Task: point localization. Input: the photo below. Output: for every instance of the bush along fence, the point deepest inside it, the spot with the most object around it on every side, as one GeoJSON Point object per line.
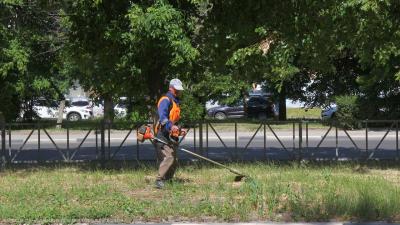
{"type": "Point", "coordinates": [235, 140]}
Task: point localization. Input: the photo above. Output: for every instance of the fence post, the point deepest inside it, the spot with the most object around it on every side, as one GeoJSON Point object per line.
{"type": "Point", "coordinates": [336, 143]}
{"type": "Point", "coordinates": [109, 142]}
{"type": "Point", "coordinates": [201, 137]}
{"type": "Point", "coordinates": [38, 150]}
{"type": "Point", "coordinates": [397, 141]}
{"type": "Point", "coordinates": [300, 140]}
{"type": "Point", "coordinates": [102, 143]}
{"type": "Point", "coordinates": [68, 153]}
{"type": "Point", "coordinates": [3, 160]}
{"type": "Point", "coordinates": [307, 135]}
{"type": "Point", "coordinates": [366, 135]}
{"type": "Point", "coordinates": [236, 142]}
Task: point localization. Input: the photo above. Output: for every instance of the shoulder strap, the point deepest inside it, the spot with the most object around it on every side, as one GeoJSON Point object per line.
{"type": "Point", "coordinates": [169, 99]}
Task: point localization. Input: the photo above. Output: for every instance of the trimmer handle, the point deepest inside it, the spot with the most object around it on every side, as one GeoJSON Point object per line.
{"type": "Point", "coordinates": [144, 133]}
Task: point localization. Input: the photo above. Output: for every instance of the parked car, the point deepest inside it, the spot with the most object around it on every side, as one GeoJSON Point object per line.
{"type": "Point", "coordinates": [41, 108]}
{"type": "Point", "coordinates": [329, 113]}
{"type": "Point", "coordinates": [235, 110]}
{"type": "Point", "coordinates": [260, 107]}
{"type": "Point", "coordinates": [120, 108]}
{"type": "Point", "coordinates": [75, 109]}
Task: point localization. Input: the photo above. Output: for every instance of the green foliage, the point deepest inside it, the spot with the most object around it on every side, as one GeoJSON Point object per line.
{"type": "Point", "coordinates": [15, 58]}
{"type": "Point", "coordinates": [308, 50]}
{"type": "Point", "coordinates": [123, 49]}
{"type": "Point", "coordinates": [9, 102]}
{"type": "Point", "coordinates": [348, 111]}
{"type": "Point", "coordinates": [398, 76]}
{"type": "Point", "coordinates": [319, 49]}
{"type": "Point", "coordinates": [29, 63]}
{"type": "Point", "coordinates": [159, 45]}
{"type": "Point", "coordinates": [191, 108]}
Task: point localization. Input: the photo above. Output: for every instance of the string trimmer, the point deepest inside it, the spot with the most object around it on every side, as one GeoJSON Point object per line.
{"type": "Point", "coordinates": [145, 133]}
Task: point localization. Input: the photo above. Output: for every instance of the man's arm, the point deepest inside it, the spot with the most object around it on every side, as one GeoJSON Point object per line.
{"type": "Point", "coordinates": [163, 114]}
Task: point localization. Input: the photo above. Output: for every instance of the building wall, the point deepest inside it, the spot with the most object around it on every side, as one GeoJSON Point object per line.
{"type": "Point", "coordinates": [76, 91]}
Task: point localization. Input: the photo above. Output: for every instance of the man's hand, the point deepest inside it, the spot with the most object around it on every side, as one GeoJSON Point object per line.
{"type": "Point", "coordinates": [183, 132]}
{"type": "Point", "coordinates": [174, 131]}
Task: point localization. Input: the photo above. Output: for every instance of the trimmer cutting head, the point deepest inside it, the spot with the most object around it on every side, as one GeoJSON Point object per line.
{"type": "Point", "coordinates": [239, 178]}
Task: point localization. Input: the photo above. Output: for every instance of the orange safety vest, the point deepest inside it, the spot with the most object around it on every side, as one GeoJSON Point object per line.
{"type": "Point", "coordinates": [174, 112]}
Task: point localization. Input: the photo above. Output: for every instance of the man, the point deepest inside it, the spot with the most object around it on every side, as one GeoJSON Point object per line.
{"type": "Point", "coordinates": [168, 131]}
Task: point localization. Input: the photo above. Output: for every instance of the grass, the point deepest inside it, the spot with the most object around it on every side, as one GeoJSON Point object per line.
{"type": "Point", "coordinates": [202, 194]}
{"type": "Point", "coordinates": [301, 113]}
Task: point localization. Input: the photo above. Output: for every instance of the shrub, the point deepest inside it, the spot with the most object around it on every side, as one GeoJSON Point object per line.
{"type": "Point", "coordinates": [348, 110]}
{"type": "Point", "coordinates": [191, 108]}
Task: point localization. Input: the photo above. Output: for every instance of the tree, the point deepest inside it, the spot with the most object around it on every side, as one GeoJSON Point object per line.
{"type": "Point", "coordinates": [316, 49]}
{"type": "Point", "coordinates": [30, 40]}
{"type": "Point", "coordinates": [129, 49]}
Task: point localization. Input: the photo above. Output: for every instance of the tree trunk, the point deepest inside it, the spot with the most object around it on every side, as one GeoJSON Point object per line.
{"type": "Point", "coordinates": [129, 106]}
{"type": "Point", "coordinates": [31, 112]}
{"type": "Point", "coordinates": [60, 113]}
{"type": "Point", "coordinates": [108, 109]}
{"type": "Point", "coordinates": [282, 103]}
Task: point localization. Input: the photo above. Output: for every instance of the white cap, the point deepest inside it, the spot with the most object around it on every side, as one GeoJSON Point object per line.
{"type": "Point", "coordinates": [177, 84]}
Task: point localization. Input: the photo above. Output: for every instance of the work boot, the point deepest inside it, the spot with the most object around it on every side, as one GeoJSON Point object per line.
{"type": "Point", "coordinates": [160, 184]}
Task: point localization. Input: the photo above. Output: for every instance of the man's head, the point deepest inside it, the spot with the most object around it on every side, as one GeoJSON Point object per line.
{"type": "Point", "coordinates": [175, 86]}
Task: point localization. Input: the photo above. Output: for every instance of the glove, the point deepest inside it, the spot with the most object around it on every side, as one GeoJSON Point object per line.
{"type": "Point", "coordinates": [174, 132]}
{"type": "Point", "coordinates": [183, 132]}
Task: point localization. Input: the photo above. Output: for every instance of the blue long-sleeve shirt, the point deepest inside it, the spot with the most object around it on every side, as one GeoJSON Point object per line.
{"type": "Point", "coordinates": [163, 111]}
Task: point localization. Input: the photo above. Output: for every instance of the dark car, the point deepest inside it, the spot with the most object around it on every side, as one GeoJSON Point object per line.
{"type": "Point", "coordinates": [260, 107]}
{"type": "Point", "coordinates": [235, 110]}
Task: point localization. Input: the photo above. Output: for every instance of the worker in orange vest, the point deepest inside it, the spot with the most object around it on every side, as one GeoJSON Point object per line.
{"type": "Point", "coordinates": [167, 130]}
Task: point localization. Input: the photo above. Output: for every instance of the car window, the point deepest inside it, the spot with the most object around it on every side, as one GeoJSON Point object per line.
{"type": "Point", "coordinates": [239, 103]}
{"type": "Point", "coordinates": [45, 103]}
{"type": "Point", "coordinates": [121, 105]}
{"type": "Point", "coordinates": [40, 103]}
{"type": "Point", "coordinates": [53, 104]}
{"type": "Point", "coordinates": [253, 101]}
{"type": "Point", "coordinates": [262, 101]}
{"type": "Point", "coordinates": [80, 103]}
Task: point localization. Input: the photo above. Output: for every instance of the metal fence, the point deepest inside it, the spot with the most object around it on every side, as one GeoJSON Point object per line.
{"type": "Point", "coordinates": [219, 140]}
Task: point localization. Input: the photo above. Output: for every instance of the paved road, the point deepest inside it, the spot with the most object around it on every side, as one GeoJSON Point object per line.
{"type": "Point", "coordinates": [277, 145]}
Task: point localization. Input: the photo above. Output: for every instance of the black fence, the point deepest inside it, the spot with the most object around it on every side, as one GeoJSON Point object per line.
{"type": "Point", "coordinates": [219, 140]}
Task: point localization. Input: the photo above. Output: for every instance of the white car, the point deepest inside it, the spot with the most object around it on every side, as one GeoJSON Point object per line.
{"type": "Point", "coordinates": [73, 111]}
{"type": "Point", "coordinates": [120, 109]}
{"type": "Point", "coordinates": [41, 108]}
{"type": "Point", "coordinates": [77, 109]}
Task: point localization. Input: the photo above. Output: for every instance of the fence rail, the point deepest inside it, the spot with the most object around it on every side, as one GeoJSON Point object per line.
{"type": "Point", "coordinates": [220, 140]}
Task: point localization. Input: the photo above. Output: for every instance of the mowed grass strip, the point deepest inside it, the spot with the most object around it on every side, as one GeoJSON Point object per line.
{"type": "Point", "coordinates": [303, 113]}
{"type": "Point", "coordinates": [277, 193]}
